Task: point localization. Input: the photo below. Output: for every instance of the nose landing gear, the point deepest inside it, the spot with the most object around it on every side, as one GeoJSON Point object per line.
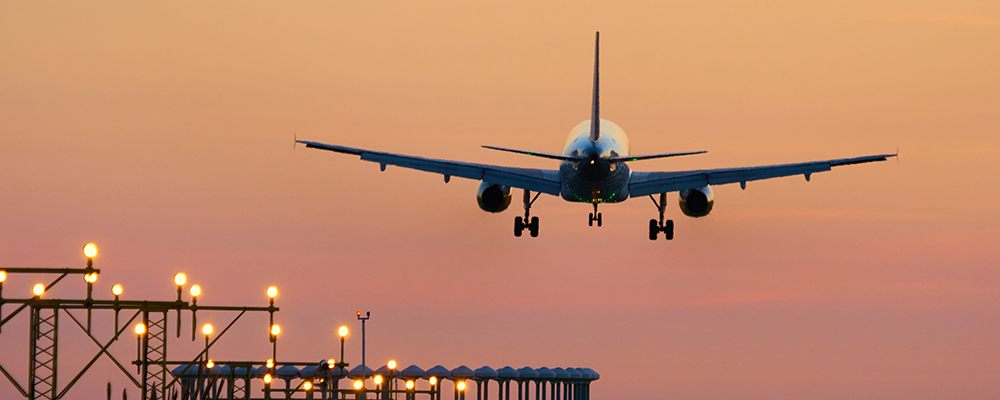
{"type": "Point", "coordinates": [519, 222]}
{"type": "Point", "coordinates": [595, 216]}
{"type": "Point", "coordinates": [654, 227]}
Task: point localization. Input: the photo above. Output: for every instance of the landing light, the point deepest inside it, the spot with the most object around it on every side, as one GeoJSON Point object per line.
{"type": "Point", "coordinates": [90, 250]}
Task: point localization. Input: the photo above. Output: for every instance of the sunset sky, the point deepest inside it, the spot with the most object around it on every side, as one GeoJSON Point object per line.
{"type": "Point", "coordinates": [163, 132]}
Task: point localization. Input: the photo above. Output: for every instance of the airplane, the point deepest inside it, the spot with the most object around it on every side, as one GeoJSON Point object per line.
{"type": "Point", "coordinates": [594, 168]}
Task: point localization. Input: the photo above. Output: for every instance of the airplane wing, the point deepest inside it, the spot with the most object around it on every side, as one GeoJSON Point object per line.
{"type": "Point", "coordinates": [538, 180]}
{"type": "Point", "coordinates": [646, 183]}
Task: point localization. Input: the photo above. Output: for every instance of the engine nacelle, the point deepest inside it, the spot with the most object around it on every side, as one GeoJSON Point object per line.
{"type": "Point", "coordinates": [697, 202]}
{"type": "Point", "coordinates": [493, 198]}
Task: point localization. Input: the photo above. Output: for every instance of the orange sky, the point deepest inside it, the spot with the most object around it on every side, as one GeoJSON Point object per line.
{"type": "Point", "coordinates": [163, 132]}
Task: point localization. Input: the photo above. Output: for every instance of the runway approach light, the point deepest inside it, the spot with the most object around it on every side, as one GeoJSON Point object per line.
{"type": "Point", "coordinates": [409, 385]}
{"type": "Point", "coordinates": [270, 363]}
{"type": "Point", "coordinates": [140, 329]}
{"type": "Point", "coordinates": [207, 329]}
{"type": "Point", "coordinates": [272, 292]}
{"type": "Point", "coordinates": [195, 291]}
{"type": "Point", "coordinates": [116, 290]}
{"type": "Point", "coordinates": [90, 250]}
{"type": "Point", "coordinates": [331, 363]}
{"type": "Point", "coordinates": [342, 331]}
{"type": "Point", "coordinates": [391, 364]}
{"type": "Point", "coordinates": [210, 364]}
{"type": "Point", "coordinates": [275, 330]}
{"type": "Point", "coordinates": [377, 379]}
{"type": "Point", "coordinates": [90, 278]}
{"type": "Point", "coordinates": [3, 276]}
{"type": "Point", "coordinates": [38, 290]}
{"type": "Point", "coordinates": [358, 384]}
{"type": "Point", "coordinates": [461, 385]}
{"type": "Point", "coordinates": [180, 279]}
{"type": "Point", "coordinates": [267, 379]}
{"type": "Point", "coordinates": [433, 380]}
{"type": "Point", "coordinates": [307, 385]}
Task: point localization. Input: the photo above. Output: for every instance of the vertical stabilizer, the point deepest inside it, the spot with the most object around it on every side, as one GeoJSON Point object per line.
{"type": "Point", "coordinates": [595, 111]}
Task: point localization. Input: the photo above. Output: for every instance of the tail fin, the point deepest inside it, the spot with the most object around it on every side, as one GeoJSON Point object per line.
{"type": "Point", "coordinates": [595, 111]}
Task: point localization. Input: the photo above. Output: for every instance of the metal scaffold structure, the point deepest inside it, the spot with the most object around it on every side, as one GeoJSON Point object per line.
{"type": "Point", "coordinates": [159, 378]}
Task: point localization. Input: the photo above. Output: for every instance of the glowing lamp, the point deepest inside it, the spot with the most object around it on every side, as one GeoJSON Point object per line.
{"type": "Point", "coordinates": [391, 364]}
{"type": "Point", "coordinates": [90, 250]}
{"type": "Point", "coordinates": [267, 379]}
{"type": "Point", "coordinates": [307, 385]}
{"type": "Point", "coordinates": [331, 363]}
{"type": "Point", "coordinates": [140, 329]}
{"type": "Point", "coordinates": [409, 385]}
{"type": "Point", "coordinates": [90, 278]}
{"type": "Point", "coordinates": [342, 331]}
{"type": "Point", "coordinates": [38, 290]}
{"type": "Point", "coordinates": [180, 279]}
{"type": "Point", "coordinates": [275, 330]}
{"type": "Point", "coordinates": [270, 363]}
{"type": "Point", "coordinates": [207, 329]}
{"type": "Point", "coordinates": [461, 385]}
{"type": "Point", "coordinates": [195, 291]}
{"type": "Point", "coordinates": [433, 380]}
{"type": "Point", "coordinates": [358, 384]}
{"type": "Point", "coordinates": [210, 364]}
{"type": "Point", "coordinates": [116, 290]}
{"type": "Point", "coordinates": [377, 379]}
{"type": "Point", "coordinates": [3, 276]}
{"type": "Point", "coordinates": [272, 292]}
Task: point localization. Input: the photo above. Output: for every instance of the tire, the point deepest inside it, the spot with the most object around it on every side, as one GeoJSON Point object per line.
{"type": "Point", "coordinates": [533, 228]}
{"type": "Point", "coordinates": [668, 230]}
{"type": "Point", "coordinates": [654, 228]}
{"type": "Point", "coordinates": [591, 220]}
{"type": "Point", "coordinates": [598, 219]}
{"type": "Point", "coordinates": [518, 226]}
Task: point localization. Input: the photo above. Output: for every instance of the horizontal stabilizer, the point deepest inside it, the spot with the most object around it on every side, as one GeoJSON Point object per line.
{"type": "Point", "coordinates": [651, 156]}
{"type": "Point", "coordinates": [536, 154]}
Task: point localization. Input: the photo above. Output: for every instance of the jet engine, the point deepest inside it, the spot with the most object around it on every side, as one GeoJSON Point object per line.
{"type": "Point", "coordinates": [697, 202]}
{"type": "Point", "coordinates": [493, 198]}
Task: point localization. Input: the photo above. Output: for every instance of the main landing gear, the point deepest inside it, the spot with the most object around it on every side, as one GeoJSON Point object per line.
{"type": "Point", "coordinates": [654, 227]}
{"type": "Point", "coordinates": [595, 216]}
{"type": "Point", "coordinates": [519, 223]}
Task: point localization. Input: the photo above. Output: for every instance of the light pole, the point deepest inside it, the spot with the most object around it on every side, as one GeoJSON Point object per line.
{"type": "Point", "coordinates": [275, 331]}
{"type": "Point", "coordinates": [117, 291]}
{"type": "Point", "coordinates": [195, 292]}
{"type": "Point", "coordinates": [180, 279]}
{"type": "Point", "coordinates": [202, 389]}
{"type": "Point", "coordinates": [364, 319]}
{"type": "Point", "coordinates": [90, 251]}
{"type": "Point", "coordinates": [140, 331]}
{"type": "Point", "coordinates": [272, 292]}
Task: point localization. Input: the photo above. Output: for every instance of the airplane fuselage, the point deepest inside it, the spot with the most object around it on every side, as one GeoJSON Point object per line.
{"type": "Point", "coordinates": [595, 179]}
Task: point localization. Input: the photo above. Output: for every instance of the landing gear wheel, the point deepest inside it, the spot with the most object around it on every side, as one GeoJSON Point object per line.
{"type": "Point", "coordinates": [668, 230]}
{"type": "Point", "coordinates": [598, 219]}
{"type": "Point", "coordinates": [518, 226]}
{"type": "Point", "coordinates": [591, 221]}
{"type": "Point", "coordinates": [654, 229]}
{"type": "Point", "coordinates": [533, 227]}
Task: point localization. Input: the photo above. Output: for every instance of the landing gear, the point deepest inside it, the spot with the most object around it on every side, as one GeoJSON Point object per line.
{"type": "Point", "coordinates": [519, 222]}
{"type": "Point", "coordinates": [656, 227]}
{"type": "Point", "coordinates": [595, 216]}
